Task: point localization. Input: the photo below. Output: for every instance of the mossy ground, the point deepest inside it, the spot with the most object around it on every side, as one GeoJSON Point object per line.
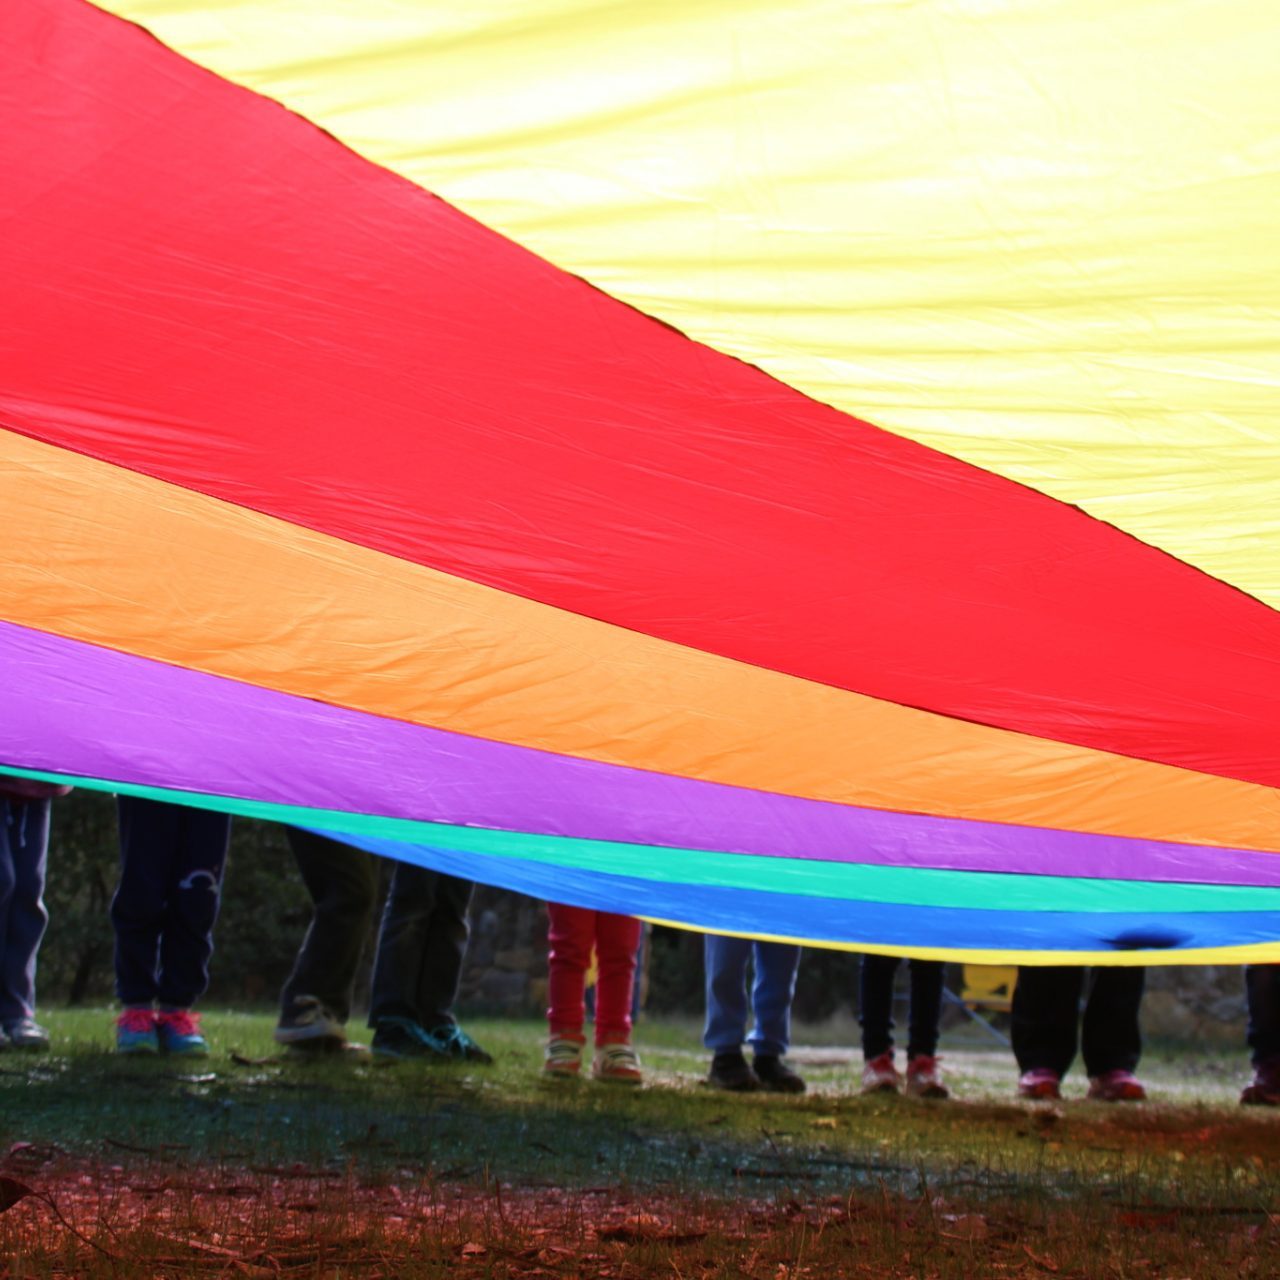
{"type": "Point", "coordinates": [253, 1161]}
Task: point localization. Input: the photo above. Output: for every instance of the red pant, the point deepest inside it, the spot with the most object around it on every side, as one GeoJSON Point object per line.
{"type": "Point", "coordinates": [575, 931]}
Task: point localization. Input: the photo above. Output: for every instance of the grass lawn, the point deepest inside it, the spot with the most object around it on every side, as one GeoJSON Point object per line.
{"type": "Point", "coordinates": [251, 1162]}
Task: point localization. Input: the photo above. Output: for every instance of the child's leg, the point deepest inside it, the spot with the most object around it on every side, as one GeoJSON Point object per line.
{"type": "Point", "coordinates": [194, 887]}
{"type": "Point", "coordinates": [343, 884]}
{"type": "Point", "coordinates": [8, 875]}
{"type": "Point", "coordinates": [1111, 1039]}
{"type": "Point", "coordinates": [402, 941]}
{"type": "Point", "coordinates": [726, 962]}
{"type": "Point", "coordinates": [25, 840]}
{"type": "Point", "coordinates": [148, 836]}
{"type": "Point", "coordinates": [1046, 1017]}
{"type": "Point", "coordinates": [875, 1004]}
{"type": "Point", "coordinates": [1262, 991]}
{"type": "Point", "coordinates": [443, 952]}
{"type": "Point", "coordinates": [572, 934]}
{"type": "Point", "coordinates": [777, 964]}
{"type": "Point", "coordinates": [926, 1008]}
{"type": "Point", "coordinates": [617, 941]}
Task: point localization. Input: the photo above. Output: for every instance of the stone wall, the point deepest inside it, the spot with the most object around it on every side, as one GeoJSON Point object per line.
{"type": "Point", "coordinates": [1195, 1002]}
{"type": "Point", "coordinates": [506, 968]}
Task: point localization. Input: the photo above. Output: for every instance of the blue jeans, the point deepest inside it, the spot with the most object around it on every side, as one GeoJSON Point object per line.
{"type": "Point", "coordinates": [776, 964]}
{"type": "Point", "coordinates": [24, 847]}
{"type": "Point", "coordinates": [421, 945]}
{"type": "Point", "coordinates": [171, 863]}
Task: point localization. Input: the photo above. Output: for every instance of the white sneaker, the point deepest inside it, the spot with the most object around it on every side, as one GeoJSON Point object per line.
{"type": "Point", "coordinates": [879, 1075]}
{"type": "Point", "coordinates": [564, 1056]}
{"type": "Point", "coordinates": [617, 1064]}
{"type": "Point", "coordinates": [26, 1033]}
{"type": "Point", "coordinates": [309, 1022]}
{"type": "Point", "coordinates": [924, 1078]}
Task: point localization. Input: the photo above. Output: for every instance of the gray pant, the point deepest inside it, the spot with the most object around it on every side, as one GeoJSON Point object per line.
{"type": "Point", "coordinates": [24, 848]}
{"type": "Point", "coordinates": [421, 944]}
{"type": "Point", "coordinates": [343, 883]}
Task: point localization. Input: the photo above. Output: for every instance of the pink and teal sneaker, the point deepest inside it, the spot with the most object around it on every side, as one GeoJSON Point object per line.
{"type": "Point", "coordinates": [136, 1032]}
{"type": "Point", "coordinates": [178, 1031]}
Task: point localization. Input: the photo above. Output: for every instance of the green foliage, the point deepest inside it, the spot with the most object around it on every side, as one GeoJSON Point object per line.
{"type": "Point", "coordinates": [675, 971]}
{"type": "Point", "coordinates": [75, 960]}
{"type": "Point", "coordinates": [826, 985]}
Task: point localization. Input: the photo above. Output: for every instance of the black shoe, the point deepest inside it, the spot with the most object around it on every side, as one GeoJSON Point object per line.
{"type": "Point", "coordinates": [776, 1076]}
{"type": "Point", "coordinates": [729, 1071]}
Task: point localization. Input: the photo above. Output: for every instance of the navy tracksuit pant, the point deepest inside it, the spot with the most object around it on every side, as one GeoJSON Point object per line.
{"type": "Point", "coordinates": [171, 864]}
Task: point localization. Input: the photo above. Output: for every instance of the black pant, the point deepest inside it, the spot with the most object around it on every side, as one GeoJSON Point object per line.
{"type": "Point", "coordinates": [1046, 1015]}
{"type": "Point", "coordinates": [875, 1005]}
{"type": "Point", "coordinates": [343, 883]}
{"type": "Point", "coordinates": [421, 944]}
{"type": "Point", "coordinates": [171, 864]}
{"type": "Point", "coordinates": [1262, 990]}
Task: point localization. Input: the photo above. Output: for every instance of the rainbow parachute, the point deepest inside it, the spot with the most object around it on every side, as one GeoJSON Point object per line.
{"type": "Point", "coordinates": [803, 469]}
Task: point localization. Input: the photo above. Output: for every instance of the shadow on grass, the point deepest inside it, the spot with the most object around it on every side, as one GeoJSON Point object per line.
{"type": "Point", "coordinates": [263, 1163]}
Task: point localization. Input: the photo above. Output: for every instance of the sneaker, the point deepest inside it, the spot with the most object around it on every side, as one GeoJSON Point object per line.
{"type": "Point", "coordinates": [775, 1075]}
{"type": "Point", "coordinates": [616, 1064]}
{"type": "Point", "coordinates": [350, 1051]}
{"type": "Point", "coordinates": [924, 1078]}
{"type": "Point", "coordinates": [404, 1038]}
{"type": "Point", "coordinates": [1265, 1089]}
{"type": "Point", "coordinates": [1040, 1084]}
{"type": "Point", "coordinates": [564, 1056]}
{"type": "Point", "coordinates": [136, 1032]}
{"type": "Point", "coordinates": [308, 1024]}
{"type": "Point", "coordinates": [729, 1071]}
{"type": "Point", "coordinates": [459, 1046]}
{"type": "Point", "coordinates": [178, 1031]}
{"type": "Point", "coordinates": [1117, 1086]}
{"type": "Point", "coordinates": [879, 1075]}
{"type": "Point", "coordinates": [27, 1033]}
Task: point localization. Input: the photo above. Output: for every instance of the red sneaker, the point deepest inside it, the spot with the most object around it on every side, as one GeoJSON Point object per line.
{"type": "Point", "coordinates": [1117, 1086]}
{"type": "Point", "coordinates": [924, 1078]}
{"type": "Point", "coordinates": [1040, 1084]}
{"type": "Point", "coordinates": [879, 1075]}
